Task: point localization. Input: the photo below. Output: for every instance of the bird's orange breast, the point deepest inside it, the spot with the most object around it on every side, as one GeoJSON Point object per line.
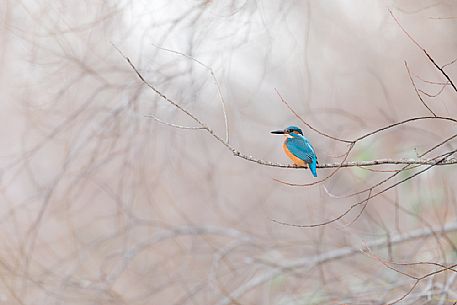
{"type": "Point", "coordinates": [296, 160]}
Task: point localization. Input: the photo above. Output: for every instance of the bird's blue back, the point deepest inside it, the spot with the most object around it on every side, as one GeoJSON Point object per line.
{"type": "Point", "coordinates": [300, 147]}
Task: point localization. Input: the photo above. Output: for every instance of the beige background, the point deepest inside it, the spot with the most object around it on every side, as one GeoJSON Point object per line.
{"type": "Point", "coordinates": [100, 205]}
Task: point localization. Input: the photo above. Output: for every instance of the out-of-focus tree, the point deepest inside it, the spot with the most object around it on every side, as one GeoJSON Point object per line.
{"type": "Point", "coordinates": [137, 165]}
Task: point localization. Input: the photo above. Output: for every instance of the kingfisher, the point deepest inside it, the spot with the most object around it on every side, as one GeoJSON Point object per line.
{"type": "Point", "coordinates": [298, 148]}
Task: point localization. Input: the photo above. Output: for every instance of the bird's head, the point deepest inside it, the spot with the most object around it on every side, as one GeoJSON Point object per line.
{"type": "Point", "coordinates": [289, 131]}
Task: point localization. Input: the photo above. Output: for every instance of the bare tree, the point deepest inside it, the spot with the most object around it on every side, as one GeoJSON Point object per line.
{"type": "Point", "coordinates": [137, 166]}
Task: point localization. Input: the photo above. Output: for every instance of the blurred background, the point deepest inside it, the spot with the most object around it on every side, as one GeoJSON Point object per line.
{"type": "Point", "coordinates": [103, 204]}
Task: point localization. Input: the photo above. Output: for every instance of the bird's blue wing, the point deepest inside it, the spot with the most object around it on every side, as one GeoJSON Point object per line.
{"type": "Point", "coordinates": [300, 147]}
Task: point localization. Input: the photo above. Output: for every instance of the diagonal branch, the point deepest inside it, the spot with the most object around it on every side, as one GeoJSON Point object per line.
{"type": "Point", "coordinates": [425, 52]}
{"type": "Point", "coordinates": [332, 255]}
{"type": "Point", "coordinates": [417, 91]}
{"type": "Point", "coordinates": [309, 125]}
{"type": "Point", "coordinates": [213, 76]}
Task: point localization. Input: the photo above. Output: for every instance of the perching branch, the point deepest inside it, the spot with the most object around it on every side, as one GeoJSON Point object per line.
{"type": "Point", "coordinates": [354, 205]}
{"type": "Point", "coordinates": [344, 164]}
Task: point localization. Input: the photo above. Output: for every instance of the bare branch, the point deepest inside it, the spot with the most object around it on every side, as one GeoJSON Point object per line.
{"type": "Point", "coordinates": [307, 124]}
{"type": "Point", "coordinates": [436, 94]}
{"type": "Point", "coordinates": [425, 52]}
{"type": "Point", "coordinates": [332, 255]}
{"type": "Point", "coordinates": [420, 118]}
{"type": "Point", "coordinates": [221, 98]}
{"type": "Point", "coordinates": [449, 63]}
{"type": "Point", "coordinates": [328, 165]}
{"type": "Point", "coordinates": [170, 124]}
{"type": "Point", "coordinates": [417, 91]}
{"type": "Point", "coordinates": [339, 217]}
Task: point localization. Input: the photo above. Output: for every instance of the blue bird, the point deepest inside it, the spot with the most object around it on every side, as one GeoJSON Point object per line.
{"type": "Point", "coordinates": [298, 148]}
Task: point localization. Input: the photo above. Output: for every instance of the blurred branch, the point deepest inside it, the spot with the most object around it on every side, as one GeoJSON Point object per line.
{"type": "Point", "coordinates": [417, 279]}
{"type": "Point", "coordinates": [336, 254]}
{"type": "Point", "coordinates": [447, 287]}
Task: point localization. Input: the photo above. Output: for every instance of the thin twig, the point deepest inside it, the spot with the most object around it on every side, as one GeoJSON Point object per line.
{"type": "Point", "coordinates": [436, 94]}
{"type": "Point", "coordinates": [419, 118]}
{"type": "Point", "coordinates": [425, 52]}
{"type": "Point", "coordinates": [417, 91]}
{"type": "Point", "coordinates": [170, 124]}
{"type": "Point", "coordinates": [361, 210]}
{"type": "Point", "coordinates": [449, 63]}
{"type": "Point", "coordinates": [210, 70]}
{"type": "Point", "coordinates": [307, 124]}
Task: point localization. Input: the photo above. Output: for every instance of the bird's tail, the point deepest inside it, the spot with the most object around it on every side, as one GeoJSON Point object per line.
{"type": "Point", "coordinates": [312, 167]}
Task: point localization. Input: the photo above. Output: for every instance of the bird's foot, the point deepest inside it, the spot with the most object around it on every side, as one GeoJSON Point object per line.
{"type": "Point", "coordinates": [299, 166]}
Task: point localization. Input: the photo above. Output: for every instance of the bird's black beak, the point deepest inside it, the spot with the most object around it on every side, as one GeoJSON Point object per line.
{"type": "Point", "coordinates": [278, 132]}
